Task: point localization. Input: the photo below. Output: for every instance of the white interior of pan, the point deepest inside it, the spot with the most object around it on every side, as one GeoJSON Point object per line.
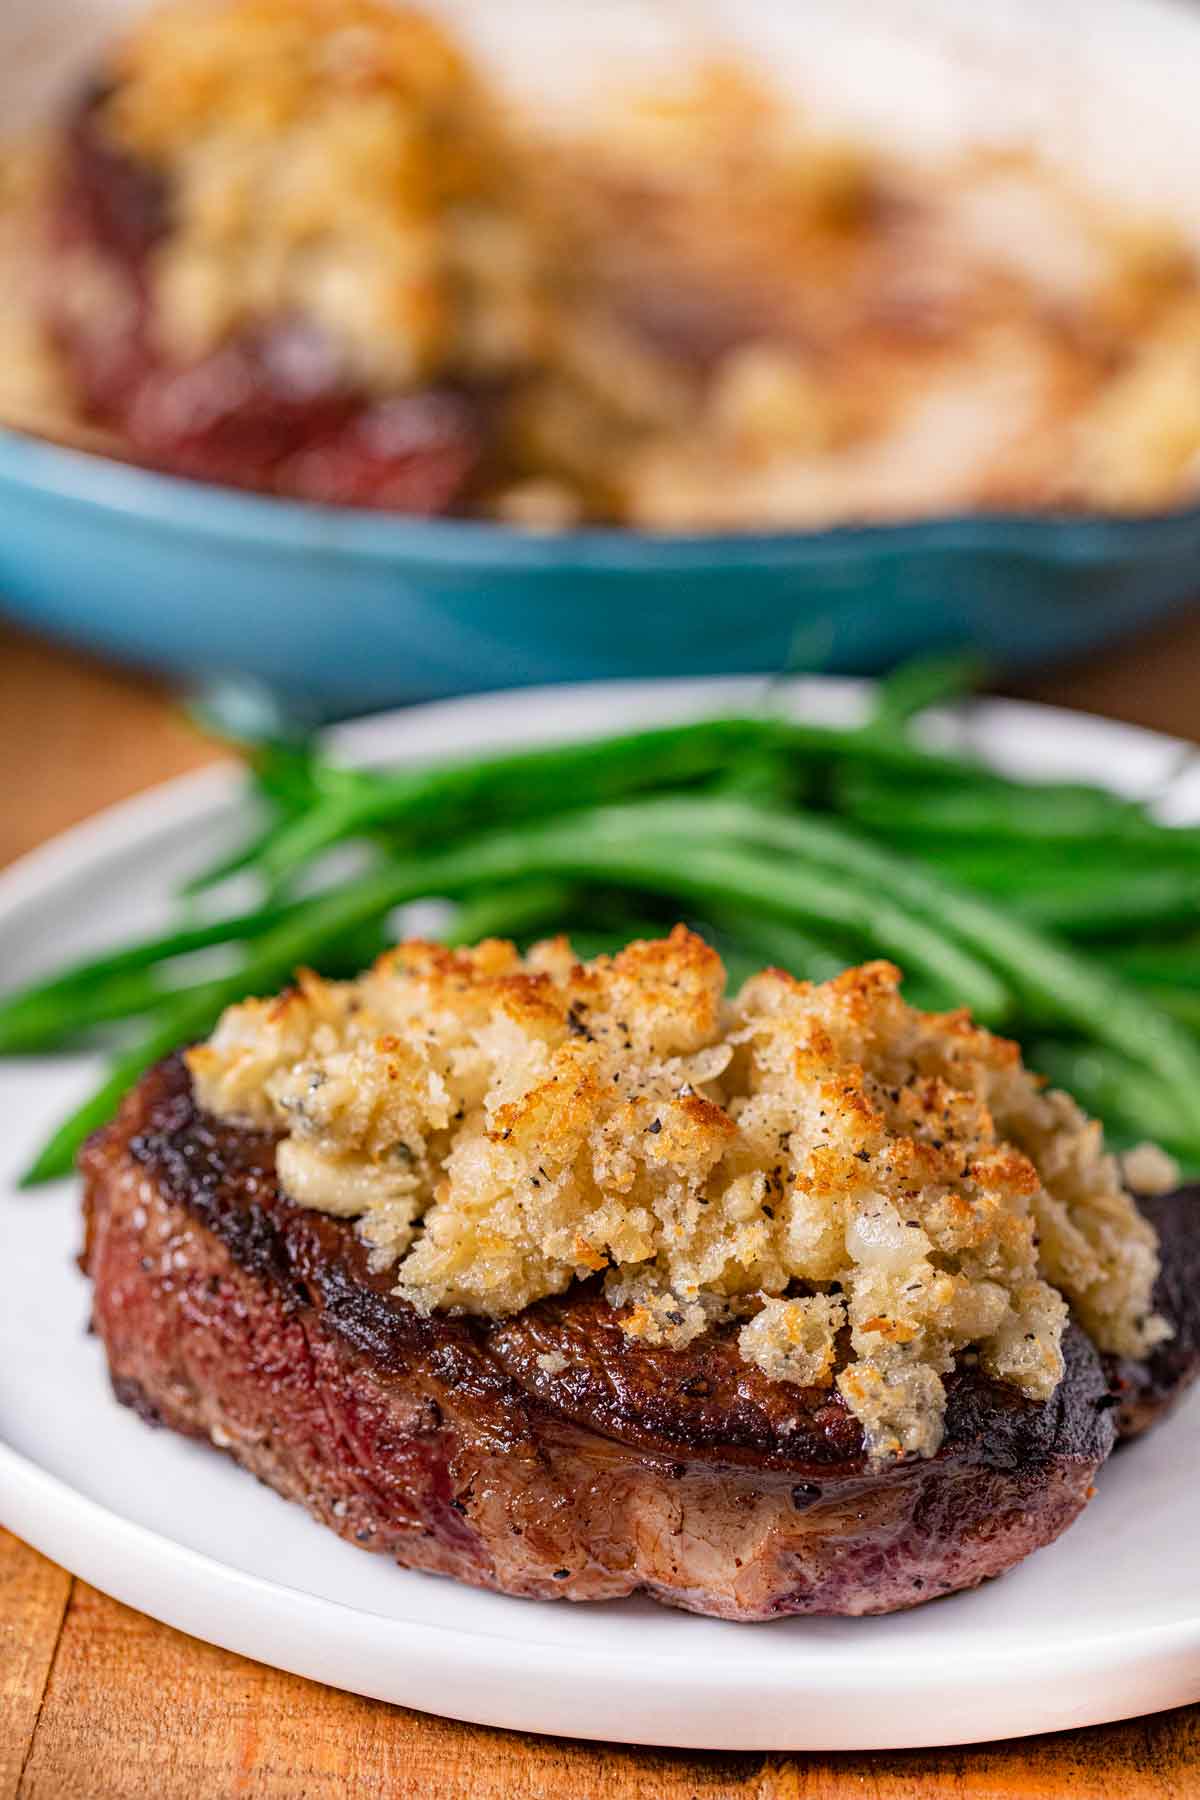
{"type": "Point", "coordinates": [1106, 87]}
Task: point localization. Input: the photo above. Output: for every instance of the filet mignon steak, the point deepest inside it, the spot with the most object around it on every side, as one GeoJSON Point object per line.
{"type": "Point", "coordinates": [545, 1455]}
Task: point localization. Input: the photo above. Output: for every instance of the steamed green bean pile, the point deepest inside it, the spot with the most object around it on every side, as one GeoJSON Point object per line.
{"type": "Point", "coordinates": [1058, 913]}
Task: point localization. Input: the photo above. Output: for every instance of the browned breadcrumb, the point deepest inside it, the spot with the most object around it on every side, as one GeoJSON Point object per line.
{"type": "Point", "coordinates": [334, 160]}
{"type": "Point", "coordinates": [864, 1185]}
{"type": "Point", "coordinates": [1148, 1169]}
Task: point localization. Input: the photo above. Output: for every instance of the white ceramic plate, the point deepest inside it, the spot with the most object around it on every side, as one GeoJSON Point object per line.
{"type": "Point", "coordinates": [1104, 1624]}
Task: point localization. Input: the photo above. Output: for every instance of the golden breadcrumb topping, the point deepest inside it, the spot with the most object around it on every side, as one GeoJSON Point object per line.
{"type": "Point", "coordinates": [865, 1189]}
{"type": "Point", "coordinates": [329, 160]}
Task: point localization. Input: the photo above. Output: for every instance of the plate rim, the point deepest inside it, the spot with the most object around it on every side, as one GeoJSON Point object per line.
{"type": "Point", "coordinates": [49, 1513]}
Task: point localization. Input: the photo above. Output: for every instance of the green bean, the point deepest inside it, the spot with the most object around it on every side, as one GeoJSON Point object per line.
{"type": "Point", "coordinates": [519, 784]}
{"type": "Point", "coordinates": [290, 773]}
{"type": "Point", "coordinates": [509, 912]}
{"type": "Point", "coordinates": [621, 844]}
{"type": "Point", "coordinates": [1083, 892]}
{"type": "Point", "coordinates": [121, 997]}
{"type": "Point", "coordinates": [186, 1020]}
{"type": "Point", "coordinates": [774, 941]}
{"type": "Point", "coordinates": [758, 776]}
{"type": "Point", "coordinates": [1082, 889]}
{"type": "Point", "coordinates": [1183, 1004]}
{"type": "Point", "coordinates": [139, 992]}
{"type": "Point", "coordinates": [1062, 813]}
{"type": "Point", "coordinates": [1130, 900]}
{"type": "Point", "coordinates": [1176, 965]}
{"type": "Point", "coordinates": [612, 844]}
{"type": "Point", "coordinates": [326, 919]}
{"type": "Point", "coordinates": [925, 681]}
{"type": "Point", "coordinates": [749, 943]}
{"type": "Point", "coordinates": [1116, 1090]}
{"type": "Point", "coordinates": [616, 909]}
{"type": "Point", "coordinates": [1008, 870]}
{"type": "Point", "coordinates": [1055, 980]}
{"type": "Point", "coordinates": [35, 1004]}
{"type": "Point", "coordinates": [272, 959]}
{"type": "Point", "coordinates": [248, 855]}
{"type": "Point", "coordinates": [127, 981]}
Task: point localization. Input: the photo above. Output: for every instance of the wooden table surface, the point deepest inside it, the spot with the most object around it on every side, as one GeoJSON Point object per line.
{"type": "Point", "coordinates": [100, 1703]}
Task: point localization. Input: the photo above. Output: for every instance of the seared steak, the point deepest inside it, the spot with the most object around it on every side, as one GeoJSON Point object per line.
{"type": "Point", "coordinates": [545, 1455]}
{"type": "Point", "coordinates": [272, 408]}
{"type": "Point", "coordinates": [1146, 1391]}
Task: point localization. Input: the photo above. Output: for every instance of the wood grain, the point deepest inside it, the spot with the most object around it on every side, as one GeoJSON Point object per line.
{"type": "Point", "coordinates": [135, 1710]}
{"type": "Point", "coordinates": [75, 736]}
{"type": "Point", "coordinates": [1153, 681]}
{"type": "Point", "coordinates": [33, 1602]}
{"type": "Point", "coordinates": [100, 1703]}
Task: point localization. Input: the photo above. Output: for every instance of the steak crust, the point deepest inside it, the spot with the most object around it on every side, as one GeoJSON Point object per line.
{"type": "Point", "coordinates": [545, 1455]}
{"type": "Point", "coordinates": [1146, 1392]}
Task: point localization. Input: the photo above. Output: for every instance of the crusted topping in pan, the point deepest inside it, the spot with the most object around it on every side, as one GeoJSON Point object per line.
{"type": "Point", "coordinates": [864, 1189]}
{"type": "Point", "coordinates": [330, 161]}
{"type": "Point", "coordinates": [688, 309]}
